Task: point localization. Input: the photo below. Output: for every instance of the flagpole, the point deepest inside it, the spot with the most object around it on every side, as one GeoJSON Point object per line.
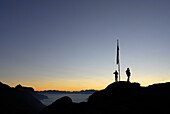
{"type": "Point", "coordinates": [119, 70]}
{"type": "Point", "coordinates": [118, 61]}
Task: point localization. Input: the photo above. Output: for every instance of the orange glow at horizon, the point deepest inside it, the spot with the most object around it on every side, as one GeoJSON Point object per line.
{"type": "Point", "coordinates": [76, 85]}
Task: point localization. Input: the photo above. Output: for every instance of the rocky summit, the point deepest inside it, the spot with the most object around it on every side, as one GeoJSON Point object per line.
{"type": "Point", "coordinates": [118, 98]}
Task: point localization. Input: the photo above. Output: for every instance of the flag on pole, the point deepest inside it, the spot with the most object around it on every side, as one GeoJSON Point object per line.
{"type": "Point", "coordinates": [117, 60]}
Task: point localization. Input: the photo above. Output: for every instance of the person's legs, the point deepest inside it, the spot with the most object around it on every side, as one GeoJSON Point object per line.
{"type": "Point", "coordinates": [128, 79]}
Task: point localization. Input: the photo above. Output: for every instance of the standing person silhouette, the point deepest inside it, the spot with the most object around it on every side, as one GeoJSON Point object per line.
{"type": "Point", "coordinates": [128, 74]}
{"type": "Point", "coordinates": [116, 75]}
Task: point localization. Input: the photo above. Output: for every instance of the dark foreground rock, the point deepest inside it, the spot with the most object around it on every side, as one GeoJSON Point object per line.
{"type": "Point", "coordinates": [118, 98]}
{"type": "Point", "coordinates": [18, 100]}
{"type": "Point", "coordinates": [65, 105]}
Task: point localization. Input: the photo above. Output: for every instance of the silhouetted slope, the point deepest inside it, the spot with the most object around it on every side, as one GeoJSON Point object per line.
{"type": "Point", "coordinates": [31, 91]}
{"type": "Point", "coordinates": [118, 98]}
{"type": "Point", "coordinates": [4, 87]}
{"type": "Point", "coordinates": [18, 100]}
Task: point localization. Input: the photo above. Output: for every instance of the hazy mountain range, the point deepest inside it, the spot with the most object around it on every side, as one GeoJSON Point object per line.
{"type": "Point", "coordinates": [91, 91]}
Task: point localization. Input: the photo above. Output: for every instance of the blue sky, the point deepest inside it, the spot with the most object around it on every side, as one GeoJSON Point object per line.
{"type": "Point", "coordinates": [71, 44]}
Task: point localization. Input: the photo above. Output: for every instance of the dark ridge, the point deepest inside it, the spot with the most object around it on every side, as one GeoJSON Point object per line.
{"type": "Point", "coordinates": [19, 100]}
{"type": "Point", "coordinates": [31, 91]}
{"type": "Point", "coordinates": [19, 87]}
{"type": "Point", "coordinates": [118, 98]}
{"type": "Point", "coordinates": [4, 87]}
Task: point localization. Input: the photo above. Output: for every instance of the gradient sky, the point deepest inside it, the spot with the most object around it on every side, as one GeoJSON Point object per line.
{"type": "Point", "coordinates": [71, 44]}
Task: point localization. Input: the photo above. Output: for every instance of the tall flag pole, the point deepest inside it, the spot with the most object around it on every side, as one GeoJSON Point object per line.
{"type": "Point", "coordinates": [117, 59]}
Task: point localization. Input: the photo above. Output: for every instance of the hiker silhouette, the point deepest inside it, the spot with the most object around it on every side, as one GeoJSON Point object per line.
{"type": "Point", "coordinates": [116, 75]}
{"type": "Point", "coordinates": [128, 74]}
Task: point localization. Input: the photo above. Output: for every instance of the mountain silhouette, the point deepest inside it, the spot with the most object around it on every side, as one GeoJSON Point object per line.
{"type": "Point", "coordinates": [118, 98]}
{"type": "Point", "coordinates": [31, 91]}
{"type": "Point", "coordinates": [19, 100]}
